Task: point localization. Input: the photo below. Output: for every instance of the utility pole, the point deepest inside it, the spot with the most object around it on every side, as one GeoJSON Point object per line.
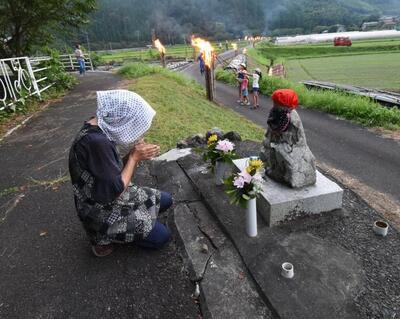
{"type": "Point", "coordinates": [87, 41]}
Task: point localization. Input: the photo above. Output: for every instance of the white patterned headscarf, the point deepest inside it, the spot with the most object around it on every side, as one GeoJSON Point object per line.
{"type": "Point", "coordinates": [123, 116]}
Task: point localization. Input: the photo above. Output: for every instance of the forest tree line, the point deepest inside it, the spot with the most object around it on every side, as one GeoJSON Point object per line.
{"type": "Point", "coordinates": [123, 23]}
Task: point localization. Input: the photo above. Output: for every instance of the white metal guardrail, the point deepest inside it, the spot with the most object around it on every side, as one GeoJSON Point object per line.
{"type": "Point", "coordinates": [19, 78]}
{"type": "Point", "coordinates": [71, 63]}
{"type": "Point", "coordinates": [22, 77]}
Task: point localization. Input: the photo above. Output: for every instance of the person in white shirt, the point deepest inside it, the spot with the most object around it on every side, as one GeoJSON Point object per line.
{"type": "Point", "coordinates": [257, 76]}
{"type": "Point", "coordinates": [81, 59]}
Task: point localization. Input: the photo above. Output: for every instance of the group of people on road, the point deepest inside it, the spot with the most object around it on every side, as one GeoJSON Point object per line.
{"type": "Point", "coordinates": [243, 80]}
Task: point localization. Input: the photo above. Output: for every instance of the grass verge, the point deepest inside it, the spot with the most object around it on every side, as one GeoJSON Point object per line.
{"type": "Point", "coordinates": [355, 108]}
{"type": "Point", "coordinates": [182, 109]}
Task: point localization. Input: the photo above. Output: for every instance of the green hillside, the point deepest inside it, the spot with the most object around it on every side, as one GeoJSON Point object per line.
{"type": "Point", "coordinates": [123, 23]}
{"type": "Point", "coordinates": [305, 16]}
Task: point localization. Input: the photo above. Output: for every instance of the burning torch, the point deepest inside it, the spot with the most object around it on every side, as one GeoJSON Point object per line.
{"type": "Point", "coordinates": [207, 51]}
{"type": "Point", "coordinates": [162, 51]}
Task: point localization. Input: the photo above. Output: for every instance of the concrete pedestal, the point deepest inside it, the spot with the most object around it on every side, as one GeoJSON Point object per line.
{"type": "Point", "coordinates": [278, 203]}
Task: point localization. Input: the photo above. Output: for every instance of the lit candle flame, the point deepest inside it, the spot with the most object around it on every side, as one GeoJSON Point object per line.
{"type": "Point", "coordinates": [159, 46]}
{"type": "Point", "coordinates": [206, 50]}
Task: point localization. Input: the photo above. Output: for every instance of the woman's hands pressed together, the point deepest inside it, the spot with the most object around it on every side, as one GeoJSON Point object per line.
{"type": "Point", "coordinates": [140, 152]}
{"type": "Point", "coordinates": [144, 151]}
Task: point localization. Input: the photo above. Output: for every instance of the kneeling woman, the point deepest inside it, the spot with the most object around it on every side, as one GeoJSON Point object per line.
{"type": "Point", "coordinates": [110, 207]}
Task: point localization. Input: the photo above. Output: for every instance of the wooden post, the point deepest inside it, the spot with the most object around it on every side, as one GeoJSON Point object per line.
{"type": "Point", "coordinates": [163, 60]}
{"type": "Point", "coordinates": [208, 78]}
{"type": "Point", "coordinates": [194, 53]}
{"type": "Point", "coordinates": [210, 83]}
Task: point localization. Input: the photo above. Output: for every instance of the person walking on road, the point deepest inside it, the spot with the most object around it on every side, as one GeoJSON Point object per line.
{"type": "Point", "coordinates": [257, 76]}
{"type": "Point", "coordinates": [80, 57]}
{"type": "Point", "coordinates": [111, 208]}
{"type": "Point", "coordinates": [202, 63]}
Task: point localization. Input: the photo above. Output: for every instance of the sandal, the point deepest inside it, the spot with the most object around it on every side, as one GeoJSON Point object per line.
{"type": "Point", "coordinates": [102, 250]}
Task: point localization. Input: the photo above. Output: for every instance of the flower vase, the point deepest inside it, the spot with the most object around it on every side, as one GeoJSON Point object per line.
{"type": "Point", "coordinates": [251, 218]}
{"type": "Point", "coordinates": [221, 169]}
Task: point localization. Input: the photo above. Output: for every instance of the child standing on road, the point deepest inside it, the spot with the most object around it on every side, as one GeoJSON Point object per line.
{"type": "Point", "coordinates": [257, 76]}
{"type": "Point", "coordinates": [239, 78]}
{"type": "Point", "coordinates": [245, 90]}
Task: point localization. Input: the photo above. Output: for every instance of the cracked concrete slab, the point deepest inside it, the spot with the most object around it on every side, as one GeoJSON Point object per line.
{"type": "Point", "coordinates": [193, 240]}
{"type": "Point", "coordinates": [227, 290]}
{"type": "Point", "coordinates": [207, 224]}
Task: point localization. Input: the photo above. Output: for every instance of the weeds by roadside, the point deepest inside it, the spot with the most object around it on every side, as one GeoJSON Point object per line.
{"type": "Point", "coordinates": [51, 183]}
{"type": "Point", "coordinates": [355, 108]}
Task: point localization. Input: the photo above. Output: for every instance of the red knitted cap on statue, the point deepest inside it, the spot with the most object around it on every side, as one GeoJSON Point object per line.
{"type": "Point", "coordinates": [286, 97]}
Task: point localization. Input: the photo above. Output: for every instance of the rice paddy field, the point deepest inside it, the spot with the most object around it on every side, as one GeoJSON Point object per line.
{"type": "Point", "coordinates": [372, 64]}
{"type": "Point", "coordinates": [370, 70]}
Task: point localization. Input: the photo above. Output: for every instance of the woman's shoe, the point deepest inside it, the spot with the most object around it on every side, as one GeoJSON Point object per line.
{"type": "Point", "coordinates": [102, 250]}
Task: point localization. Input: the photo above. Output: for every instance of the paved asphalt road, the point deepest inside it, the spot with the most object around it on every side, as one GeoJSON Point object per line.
{"type": "Point", "coordinates": [46, 267]}
{"type": "Point", "coordinates": [372, 159]}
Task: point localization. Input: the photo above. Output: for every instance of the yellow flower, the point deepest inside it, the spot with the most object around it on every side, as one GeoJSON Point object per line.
{"type": "Point", "coordinates": [255, 164]}
{"type": "Point", "coordinates": [213, 138]}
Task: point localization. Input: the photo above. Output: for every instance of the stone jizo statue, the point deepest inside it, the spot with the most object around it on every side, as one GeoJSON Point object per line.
{"type": "Point", "coordinates": [285, 152]}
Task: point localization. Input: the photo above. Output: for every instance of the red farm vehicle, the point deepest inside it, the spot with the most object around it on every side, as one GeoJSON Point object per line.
{"type": "Point", "coordinates": [342, 42]}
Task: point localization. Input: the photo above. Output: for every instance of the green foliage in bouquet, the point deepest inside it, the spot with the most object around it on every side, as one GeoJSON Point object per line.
{"type": "Point", "coordinates": [246, 185]}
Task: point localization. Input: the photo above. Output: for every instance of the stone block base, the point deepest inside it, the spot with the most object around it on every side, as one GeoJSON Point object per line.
{"type": "Point", "coordinates": [279, 203]}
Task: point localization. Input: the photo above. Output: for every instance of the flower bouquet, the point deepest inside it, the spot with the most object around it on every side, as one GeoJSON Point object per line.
{"type": "Point", "coordinates": [220, 153]}
{"type": "Point", "coordinates": [243, 188]}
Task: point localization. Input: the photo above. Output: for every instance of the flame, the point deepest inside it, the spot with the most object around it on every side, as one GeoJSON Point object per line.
{"type": "Point", "coordinates": [244, 51]}
{"type": "Point", "coordinates": [234, 46]}
{"type": "Point", "coordinates": [159, 46]}
{"type": "Point", "coordinates": [206, 50]}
